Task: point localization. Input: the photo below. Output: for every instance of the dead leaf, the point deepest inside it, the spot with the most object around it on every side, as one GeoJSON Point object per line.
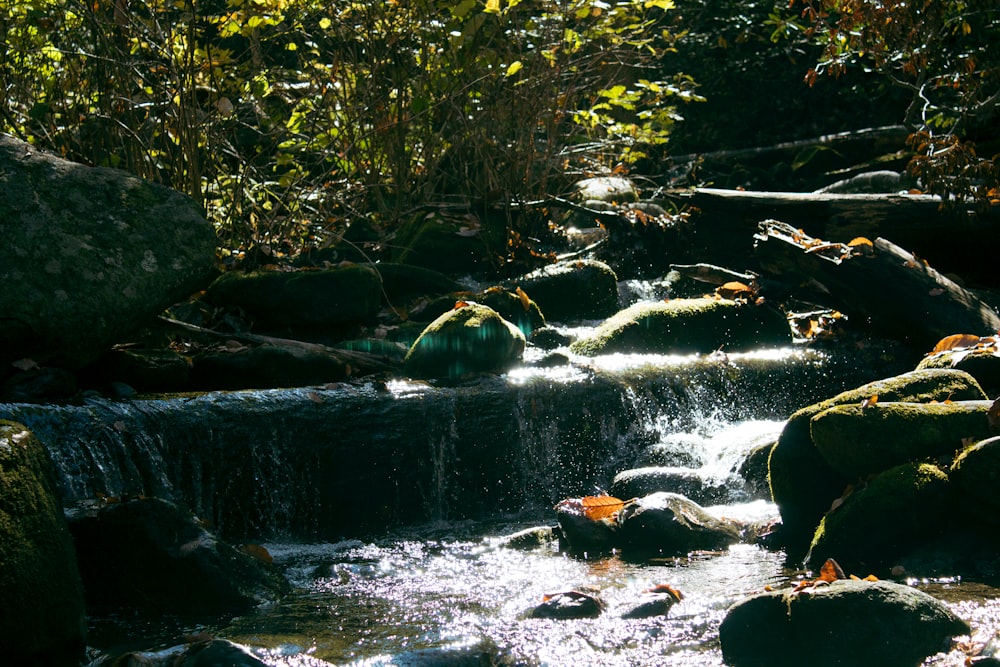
{"type": "Point", "coordinates": [258, 552]}
{"type": "Point", "coordinates": [831, 571]}
{"type": "Point", "coordinates": [525, 301]}
{"type": "Point", "coordinates": [937, 291]}
{"type": "Point", "coordinates": [733, 290]}
{"type": "Point", "coordinates": [460, 304]}
{"type": "Point", "coordinates": [955, 341]}
{"type": "Point", "coordinates": [600, 507]}
{"type": "Point", "coordinates": [869, 402]}
{"type": "Point", "coordinates": [25, 364]}
{"type": "Point", "coordinates": [666, 588]}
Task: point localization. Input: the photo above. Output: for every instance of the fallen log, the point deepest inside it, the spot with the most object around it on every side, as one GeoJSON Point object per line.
{"type": "Point", "coordinates": [956, 240]}
{"type": "Point", "coordinates": [896, 293]}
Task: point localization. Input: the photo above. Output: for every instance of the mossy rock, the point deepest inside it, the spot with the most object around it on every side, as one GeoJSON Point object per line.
{"type": "Point", "coordinates": [849, 622]}
{"type": "Point", "coordinates": [42, 620]}
{"type": "Point", "coordinates": [670, 524]}
{"type": "Point", "coordinates": [976, 471]}
{"type": "Point", "coordinates": [470, 339]}
{"type": "Point", "coordinates": [454, 245]}
{"type": "Point", "coordinates": [572, 291]}
{"type": "Point", "coordinates": [302, 298]}
{"type": "Point", "coordinates": [857, 440]}
{"type": "Point", "coordinates": [401, 282]}
{"type": "Point", "coordinates": [983, 365]}
{"type": "Point", "coordinates": [897, 511]}
{"type": "Point", "coordinates": [522, 311]}
{"type": "Point", "coordinates": [685, 326]}
{"type": "Point", "coordinates": [803, 484]}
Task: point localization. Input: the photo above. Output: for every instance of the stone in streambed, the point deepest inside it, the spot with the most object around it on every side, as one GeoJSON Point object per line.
{"type": "Point", "coordinates": [848, 622]}
{"type": "Point", "coordinates": [671, 525]}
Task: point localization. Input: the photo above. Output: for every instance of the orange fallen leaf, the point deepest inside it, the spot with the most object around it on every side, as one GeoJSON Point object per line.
{"type": "Point", "coordinates": [955, 341]}
{"type": "Point", "coordinates": [525, 301]}
{"type": "Point", "coordinates": [831, 571]}
{"type": "Point", "coordinates": [600, 507]}
{"type": "Point", "coordinates": [869, 402]}
{"type": "Point", "coordinates": [666, 588]}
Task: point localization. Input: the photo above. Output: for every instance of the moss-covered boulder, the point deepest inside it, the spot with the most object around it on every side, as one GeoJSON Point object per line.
{"type": "Point", "coordinates": [685, 326]}
{"type": "Point", "coordinates": [472, 338]}
{"type": "Point", "coordinates": [849, 622]}
{"type": "Point", "coordinates": [976, 472]}
{"type": "Point", "coordinates": [897, 511]}
{"type": "Point", "coordinates": [669, 524]}
{"type": "Point", "coordinates": [803, 484]}
{"type": "Point", "coordinates": [89, 255]}
{"type": "Point", "coordinates": [982, 364]}
{"type": "Point", "coordinates": [451, 244]}
{"type": "Point", "coordinates": [857, 440]}
{"type": "Point", "coordinates": [148, 554]}
{"type": "Point", "coordinates": [42, 617]}
{"type": "Point", "coordinates": [515, 307]}
{"type": "Point", "coordinates": [328, 297]}
{"type": "Point", "coordinates": [572, 291]}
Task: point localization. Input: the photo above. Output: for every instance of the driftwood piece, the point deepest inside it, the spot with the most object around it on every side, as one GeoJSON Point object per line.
{"type": "Point", "coordinates": [897, 293]}
{"type": "Point", "coordinates": [955, 241]}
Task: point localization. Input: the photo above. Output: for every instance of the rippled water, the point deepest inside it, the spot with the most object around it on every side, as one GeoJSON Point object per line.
{"type": "Point", "coordinates": [392, 601]}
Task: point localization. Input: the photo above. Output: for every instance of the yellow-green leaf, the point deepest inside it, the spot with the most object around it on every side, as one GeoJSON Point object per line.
{"type": "Point", "coordinates": [514, 68]}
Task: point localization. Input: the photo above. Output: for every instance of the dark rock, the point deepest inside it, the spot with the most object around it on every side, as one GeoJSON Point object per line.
{"type": "Point", "coordinates": [870, 182]}
{"type": "Point", "coordinates": [845, 623]}
{"type": "Point", "coordinates": [687, 325]}
{"type": "Point", "coordinates": [656, 601]}
{"type": "Point", "coordinates": [803, 484]}
{"type": "Point", "coordinates": [146, 370]}
{"type": "Point", "coordinates": [687, 482]}
{"type": "Point", "coordinates": [37, 385]}
{"type": "Point", "coordinates": [895, 512]}
{"type": "Point", "coordinates": [401, 282]}
{"type": "Point", "coordinates": [518, 309]}
{"type": "Point", "coordinates": [323, 298]}
{"type": "Point", "coordinates": [451, 244]}
{"type": "Point", "coordinates": [857, 440]}
{"type": "Point", "coordinates": [549, 338]}
{"type": "Point", "coordinates": [572, 291]}
{"type": "Point", "coordinates": [976, 471]}
{"type": "Point", "coordinates": [983, 364]}
{"type": "Point", "coordinates": [582, 534]}
{"type": "Point", "coordinates": [670, 524]}
{"type": "Point", "coordinates": [201, 653]}
{"type": "Point", "coordinates": [148, 554]}
{"type": "Point", "coordinates": [569, 605]}
{"type": "Point", "coordinates": [469, 339]}
{"type": "Point", "coordinates": [753, 470]}
{"type": "Point", "coordinates": [264, 367]}
{"type": "Point", "coordinates": [529, 538]}
{"type": "Point", "coordinates": [42, 619]}
{"type": "Point", "coordinates": [89, 255]}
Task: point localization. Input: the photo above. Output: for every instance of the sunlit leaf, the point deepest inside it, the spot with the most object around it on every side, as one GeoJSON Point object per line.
{"type": "Point", "coordinates": [870, 401]}
{"type": "Point", "coordinates": [600, 507]}
{"type": "Point", "coordinates": [955, 342]}
{"type": "Point", "coordinates": [525, 301]}
{"type": "Point", "coordinates": [514, 68]}
{"type": "Point", "coordinates": [831, 571]}
{"type": "Point", "coordinates": [666, 588]}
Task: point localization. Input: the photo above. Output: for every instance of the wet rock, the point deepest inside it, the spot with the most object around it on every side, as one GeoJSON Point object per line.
{"type": "Point", "coordinates": [670, 524]}
{"type": "Point", "coordinates": [656, 601]}
{"type": "Point", "coordinates": [200, 653]}
{"type": "Point", "coordinates": [470, 339]}
{"type": "Point", "coordinates": [895, 512]}
{"type": "Point", "coordinates": [976, 471]}
{"type": "Point", "coordinates": [870, 182]}
{"type": "Point", "coordinates": [685, 326]}
{"type": "Point", "coordinates": [569, 605]}
{"type": "Point", "coordinates": [42, 617]}
{"type": "Point", "coordinates": [857, 440]}
{"type": "Point", "coordinates": [681, 450]}
{"type": "Point", "coordinates": [982, 364]}
{"type": "Point", "coordinates": [265, 367]}
{"type": "Point", "coordinates": [401, 282]}
{"type": "Point", "coordinates": [580, 533]}
{"type": "Point", "coordinates": [482, 654]}
{"type": "Point", "coordinates": [753, 470]}
{"type": "Point", "coordinates": [687, 482]}
{"type": "Point", "coordinates": [38, 384]}
{"type": "Point", "coordinates": [804, 485]}
{"type": "Point", "coordinates": [331, 297]}
{"type": "Point", "coordinates": [145, 370]}
{"type": "Point", "coordinates": [529, 538]}
{"type": "Point", "coordinates": [149, 554]}
{"type": "Point", "coordinates": [549, 338]}
{"type": "Point", "coordinates": [89, 255]}
{"type": "Point", "coordinates": [572, 291]}
{"type": "Point", "coordinates": [847, 622]}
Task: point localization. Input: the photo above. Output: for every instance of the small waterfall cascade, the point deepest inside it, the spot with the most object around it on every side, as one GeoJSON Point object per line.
{"type": "Point", "coordinates": [342, 461]}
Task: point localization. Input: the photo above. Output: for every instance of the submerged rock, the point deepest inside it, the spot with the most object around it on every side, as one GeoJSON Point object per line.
{"type": "Point", "coordinates": [148, 554]}
{"type": "Point", "coordinates": [199, 653]}
{"type": "Point", "coordinates": [848, 622]}
{"type": "Point", "coordinates": [687, 325]}
{"type": "Point", "coordinates": [656, 601]}
{"type": "Point", "coordinates": [472, 338]}
{"type": "Point", "coordinates": [42, 617]}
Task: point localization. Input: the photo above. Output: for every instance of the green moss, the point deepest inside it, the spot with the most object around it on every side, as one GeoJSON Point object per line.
{"type": "Point", "coordinates": [470, 339]}
{"type": "Point", "coordinates": [685, 326]}
{"type": "Point", "coordinates": [898, 510]}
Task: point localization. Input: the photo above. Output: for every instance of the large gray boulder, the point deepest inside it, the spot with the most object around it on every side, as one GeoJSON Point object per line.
{"type": "Point", "coordinates": [88, 255]}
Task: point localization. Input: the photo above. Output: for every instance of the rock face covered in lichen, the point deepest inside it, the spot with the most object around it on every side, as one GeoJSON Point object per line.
{"type": "Point", "coordinates": [42, 618]}
{"type": "Point", "coordinates": [88, 254]}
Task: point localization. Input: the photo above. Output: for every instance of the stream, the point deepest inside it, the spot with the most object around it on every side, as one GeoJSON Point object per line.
{"type": "Point", "coordinates": [386, 503]}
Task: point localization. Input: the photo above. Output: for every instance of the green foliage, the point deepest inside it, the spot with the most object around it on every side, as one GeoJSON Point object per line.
{"type": "Point", "coordinates": [286, 119]}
